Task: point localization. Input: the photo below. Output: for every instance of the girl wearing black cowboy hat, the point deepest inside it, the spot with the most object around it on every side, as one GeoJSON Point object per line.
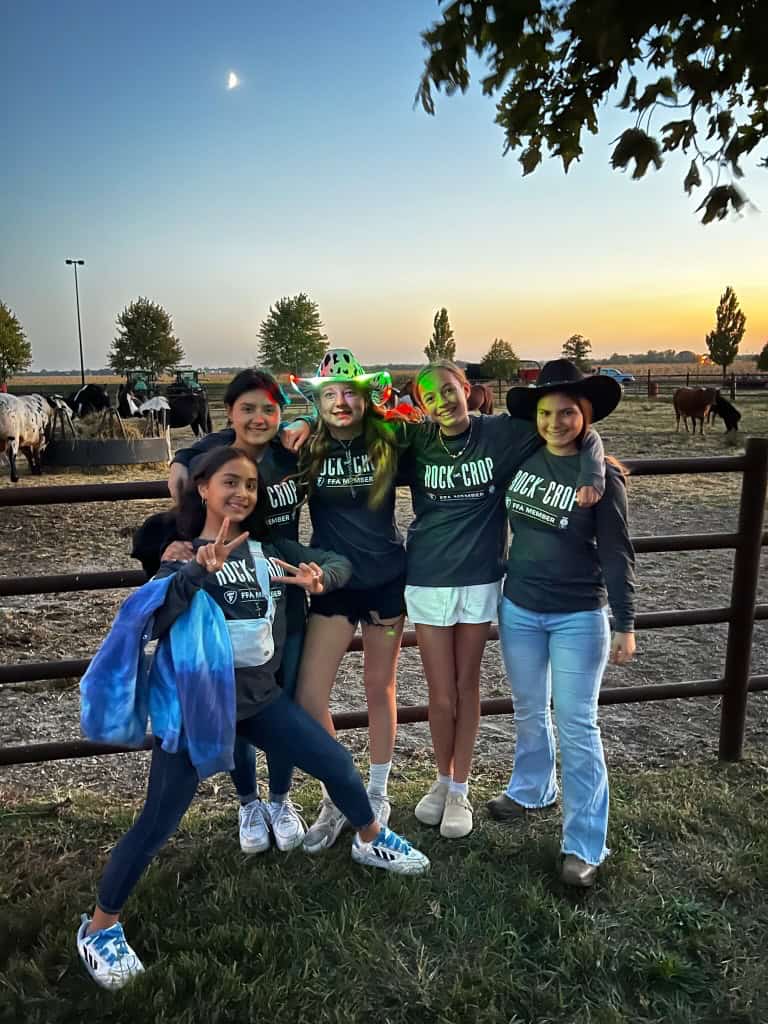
{"type": "Point", "coordinates": [565, 565]}
{"type": "Point", "coordinates": [458, 468]}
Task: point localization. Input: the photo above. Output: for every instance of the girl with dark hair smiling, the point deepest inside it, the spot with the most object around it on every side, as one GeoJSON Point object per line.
{"type": "Point", "coordinates": [565, 565]}
{"type": "Point", "coordinates": [220, 624]}
{"type": "Point", "coordinates": [254, 402]}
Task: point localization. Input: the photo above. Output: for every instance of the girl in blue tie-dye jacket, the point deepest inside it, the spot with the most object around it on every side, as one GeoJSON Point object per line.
{"type": "Point", "coordinates": [220, 622]}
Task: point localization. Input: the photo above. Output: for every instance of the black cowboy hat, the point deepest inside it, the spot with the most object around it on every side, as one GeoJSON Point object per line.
{"type": "Point", "coordinates": [603, 393]}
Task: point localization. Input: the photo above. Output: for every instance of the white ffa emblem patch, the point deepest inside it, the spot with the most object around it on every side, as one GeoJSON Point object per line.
{"type": "Point", "coordinates": [564, 523]}
{"type": "Point", "coordinates": [230, 596]}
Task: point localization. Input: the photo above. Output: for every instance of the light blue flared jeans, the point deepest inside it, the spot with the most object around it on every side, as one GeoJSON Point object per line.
{"type": "Point", "coordinates": [559, 657]}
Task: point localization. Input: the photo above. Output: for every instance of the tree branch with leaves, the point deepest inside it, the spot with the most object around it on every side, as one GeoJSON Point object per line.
{"type": "Point", "coordinates": [553, 65]}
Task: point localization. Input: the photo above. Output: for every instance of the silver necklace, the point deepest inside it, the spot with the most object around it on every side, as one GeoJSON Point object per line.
{"type": "Point", "coordinates": [347, 446]}
{"type": "Point", "coordinates": [448, 452]}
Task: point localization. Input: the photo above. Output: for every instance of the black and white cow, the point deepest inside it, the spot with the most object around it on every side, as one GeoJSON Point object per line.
{"type": "Point", "coordinates": [88, 399]}
{"type": "Point", "coordinates": [25, 426]}
{"type": "Point", "coordinates": [189, 409]}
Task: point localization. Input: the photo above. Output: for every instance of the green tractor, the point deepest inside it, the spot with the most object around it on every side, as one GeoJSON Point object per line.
{"type": "Point", "coordinates": [186, 380]}
{"type": "Point", "coordinates": [142, 383]}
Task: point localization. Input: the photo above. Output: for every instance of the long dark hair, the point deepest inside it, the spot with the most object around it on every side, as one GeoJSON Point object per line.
{"type": "Point", "coordinates": [586, 411]}
{"type": "Point", "coordinates": [190, 517]}
{"type": "Point", "coordinates": [254, 380]}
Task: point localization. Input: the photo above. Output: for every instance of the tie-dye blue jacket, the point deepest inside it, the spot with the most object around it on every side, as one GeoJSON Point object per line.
{"type": "Point", "coordinates": [187, 689]}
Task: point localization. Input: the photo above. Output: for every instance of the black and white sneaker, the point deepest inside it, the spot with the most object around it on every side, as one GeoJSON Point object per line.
{"type": "Point", "coordinates": [390, 852]}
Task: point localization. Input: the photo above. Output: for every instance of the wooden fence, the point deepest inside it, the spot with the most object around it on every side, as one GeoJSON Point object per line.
{"type": "Point", "coordinates": [734, 685]}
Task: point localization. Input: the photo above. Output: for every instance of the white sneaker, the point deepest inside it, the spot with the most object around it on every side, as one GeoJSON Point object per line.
{"type": "Point", "coordinates": [326, 830]}
{"type": "Point", "coordinates": [108, 958]}
{"type": "Point", "coordinates": [254, 830]}
{"type": "Point", "coordinates": [381, 807]}
{"type": "Point", "coordinates": [287, 826]}
{"type": "Point", "coordinates": [390, 852]}
{"type": "Point", "coordinates": [457, 817]}
{"type": "Point", "coordinates": [429, 810]}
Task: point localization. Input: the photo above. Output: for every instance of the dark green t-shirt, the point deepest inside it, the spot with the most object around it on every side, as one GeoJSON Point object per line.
{"type": "Point", "coordinates": [459, 535]}
{"type": "Point", "coordinates": [343, 521]}
{"type": "Point", "coordinates": [564, 558]}
{"type": "Point", "coordinates": [277, 468]}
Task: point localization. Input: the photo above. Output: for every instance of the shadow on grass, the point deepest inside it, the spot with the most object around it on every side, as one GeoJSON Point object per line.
{"type": "Point", "coordinates": [674, 930]}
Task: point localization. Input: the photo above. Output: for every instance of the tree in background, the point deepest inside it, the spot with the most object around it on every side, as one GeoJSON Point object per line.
{"type": "Point", "coordinates": [723, 343]}
{"type": "Point", "coordinates": [292, 339]}
{"type": "Point", "coordinates": [15, 350]}
{"type": "Point", "coordinates": [552, 65]}
{"type": "Point", "coordinates": [500, 361]}
{"type": "Point", "coordinates": [441, 344]}
{"type": "Point", "coordinates": [578, 349]}
{"type": "Point", "coordinates": [762, 359]}
{"type": "Point", "coordinates": [145, 339]}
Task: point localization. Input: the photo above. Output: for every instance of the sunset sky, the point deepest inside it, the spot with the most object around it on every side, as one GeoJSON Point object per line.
{"type": "Point", "coordinates": [124, 147]}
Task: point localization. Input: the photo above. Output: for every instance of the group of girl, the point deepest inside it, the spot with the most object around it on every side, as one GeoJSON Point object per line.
{"type": "Point", "coordinates": [234, 539]}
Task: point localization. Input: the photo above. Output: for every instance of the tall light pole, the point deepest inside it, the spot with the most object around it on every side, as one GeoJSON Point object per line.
{"type": "Point", "coordinates": [75, 264]}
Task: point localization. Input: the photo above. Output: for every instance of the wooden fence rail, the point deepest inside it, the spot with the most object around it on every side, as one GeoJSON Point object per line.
{"type": "Point", "coordinates": [740, 615]}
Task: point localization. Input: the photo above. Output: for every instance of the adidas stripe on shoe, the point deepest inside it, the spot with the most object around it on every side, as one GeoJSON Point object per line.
{"type": "Point", "coordinates": [390, 852]}
{"type": "Point", "coordinates": [107, 957]}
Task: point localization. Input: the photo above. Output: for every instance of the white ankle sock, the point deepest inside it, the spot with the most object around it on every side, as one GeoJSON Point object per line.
{"type": "Point", "coordinates": [446, 780]}
{"type": "Point", "coordinates": [378, 778]}
{"type": "Point", "coordinates": [459, 787]}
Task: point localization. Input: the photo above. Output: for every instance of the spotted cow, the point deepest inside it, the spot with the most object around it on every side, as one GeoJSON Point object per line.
{"type": "Point", "coordinates": [25, 426]}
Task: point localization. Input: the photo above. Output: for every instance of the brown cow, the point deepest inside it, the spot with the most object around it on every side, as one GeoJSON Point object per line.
{"type": "Point", "coordinates": [694, 403]}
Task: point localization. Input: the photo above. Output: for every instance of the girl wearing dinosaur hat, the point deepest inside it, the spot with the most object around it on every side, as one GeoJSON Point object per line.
{"type": "Point", "coordinates": [350, 464]}
{"type": "Point", "coordinates": [457, 469]}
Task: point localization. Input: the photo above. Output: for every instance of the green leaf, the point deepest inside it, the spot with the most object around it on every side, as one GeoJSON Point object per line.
{"type": "Point", "coordinates": [635, 144]}
{"type": "Point", "coordinates": [530, 159]}
{"type": "Point", "coordinates": [629, 94]}
{"type": "Point", "coordinates": [692, 179]}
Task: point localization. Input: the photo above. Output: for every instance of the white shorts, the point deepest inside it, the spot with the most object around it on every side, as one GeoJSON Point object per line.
{"type": "Point", "coordinates": [447, 606]}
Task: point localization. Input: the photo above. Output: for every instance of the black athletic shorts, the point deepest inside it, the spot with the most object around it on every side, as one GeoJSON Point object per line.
{"type": "Point", "coordinates": [371, 605]}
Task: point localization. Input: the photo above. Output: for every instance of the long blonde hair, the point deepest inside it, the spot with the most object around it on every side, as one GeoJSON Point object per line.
{"type": "Point", "coordinates": [381, 445]}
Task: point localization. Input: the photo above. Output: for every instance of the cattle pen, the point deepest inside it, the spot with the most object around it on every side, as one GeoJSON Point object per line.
{"type": "Point", "coordinates": [733, 686]}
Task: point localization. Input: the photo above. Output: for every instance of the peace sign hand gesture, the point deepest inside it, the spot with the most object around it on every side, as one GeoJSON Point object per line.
{"type": "Point", "coordinates": [212, 556]}
{"type": "Point", "coordinates": [308, 575]}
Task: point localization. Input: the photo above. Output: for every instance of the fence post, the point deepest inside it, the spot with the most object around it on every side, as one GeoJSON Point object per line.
{"type": "Point", "coordinates": [687, 378]}
{"type": "Point", "coordinates": [649, 383]}
{"type": "Point", "coordinates": [732, 387]}
{"type": "Point", "coordinates": [746, 572]}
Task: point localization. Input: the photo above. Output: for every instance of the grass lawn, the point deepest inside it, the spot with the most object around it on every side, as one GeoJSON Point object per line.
{"type": "Point", "coordinates": [675, 930]}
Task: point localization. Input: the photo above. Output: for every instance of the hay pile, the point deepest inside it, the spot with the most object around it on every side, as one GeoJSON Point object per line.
{"type": "Point", "coordinates": [98, 427]}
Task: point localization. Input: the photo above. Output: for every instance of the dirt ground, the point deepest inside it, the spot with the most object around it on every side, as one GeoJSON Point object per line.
{"type": "Point", "coordinates": [96, 536]}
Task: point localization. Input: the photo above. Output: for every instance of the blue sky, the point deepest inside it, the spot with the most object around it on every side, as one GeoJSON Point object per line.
{"type": "Point", "coordinates": [317, 174]}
